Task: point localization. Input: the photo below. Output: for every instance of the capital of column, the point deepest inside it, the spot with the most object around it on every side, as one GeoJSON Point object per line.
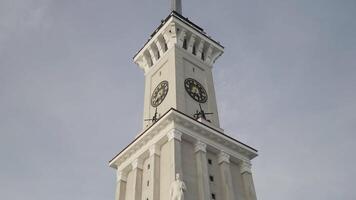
{"type": "Point", "coordinates": [155, 149]}
{"type": "Point", "coordinates": [137, 164]}
{"type": "Point", "coordinates": [223, 157]}
{"type": "Point", "coordinates": [174, 134]}
{"type": "Point", "coordinates": [245, 167]}
{"type": "Point", "coordinates": [200, 146]}
{"type": "Point", "coordinates": [121, 176]}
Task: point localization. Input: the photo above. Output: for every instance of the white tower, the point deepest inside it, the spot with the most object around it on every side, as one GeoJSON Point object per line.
{"type": "Point", "coordinates": [181, 132]}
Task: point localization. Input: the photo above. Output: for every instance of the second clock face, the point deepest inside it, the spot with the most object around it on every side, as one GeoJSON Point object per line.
{"type": "Point", "coordinates": [159, 93]}
{"type": "Point", "coordinates": [195, 90]}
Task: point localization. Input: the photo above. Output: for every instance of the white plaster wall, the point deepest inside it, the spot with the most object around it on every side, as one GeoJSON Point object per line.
{"type": "Point", "coordinates": [189, 171]}
{"type": "Point", "coordinates": [175, 66]}
{"type": "Point", "coordinates": [237, 181]}
{"type": "Point", "coordinates": [164, 173]}
{"type": "Point", "coordinates": [203, 74]}
{"type": "Point", "coordinates": [162, 70]}
{"type": "Point", "coordinates": [198, 74]}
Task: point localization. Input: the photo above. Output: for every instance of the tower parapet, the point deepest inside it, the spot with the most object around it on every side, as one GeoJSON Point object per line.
{"type": "Point", "coordinates": [178, 31]}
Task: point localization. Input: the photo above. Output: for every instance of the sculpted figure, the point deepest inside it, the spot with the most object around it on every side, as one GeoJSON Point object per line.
{"type": "Point", "coordinates": [177, 189]}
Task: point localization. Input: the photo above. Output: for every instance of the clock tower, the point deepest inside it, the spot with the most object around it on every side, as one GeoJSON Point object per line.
{"type": "Point", "coordinates": [181, 142]}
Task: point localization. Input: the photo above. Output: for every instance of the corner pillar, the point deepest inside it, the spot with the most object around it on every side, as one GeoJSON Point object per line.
{"type": "Point", "coordinates": [226, 177]}
{"type": "Point", "coordinates": [175, 139]}
{"type": "Point", "coordinates": [247, 180]}
{"type": "Point", "coordinates": [121, 179]}
{"type": "Point", "coordinates": [202, 171]}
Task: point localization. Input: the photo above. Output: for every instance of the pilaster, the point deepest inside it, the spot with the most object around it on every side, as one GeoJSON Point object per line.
{"type": "Point", "coordinates": [247, 180]}
{"type": "Point", "coordinates": [226, 176]}
{"type": "Point", "coordinates": [137, 166]}
{"type": "Point", "coordinates": [202, 171]}
{"type": "Point", "coordinates": [155, 171]}
{"type": "Point", "coordinates": [121, 179]}
{"type": "Point", "coordinates": [174, 139]}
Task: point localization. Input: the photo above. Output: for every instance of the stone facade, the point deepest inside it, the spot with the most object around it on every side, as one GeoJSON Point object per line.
{"type": "Point", "coordinates": [211, 164]}
{"type": "Point", "coordinates": [179, 50]}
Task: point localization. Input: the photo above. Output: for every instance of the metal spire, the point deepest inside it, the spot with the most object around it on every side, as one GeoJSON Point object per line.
{"type": "Point", "coordinates": [177, 6]}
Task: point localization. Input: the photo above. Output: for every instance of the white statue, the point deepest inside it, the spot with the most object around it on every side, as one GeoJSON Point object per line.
{"type": "Point", "coordinates": [177, 189]}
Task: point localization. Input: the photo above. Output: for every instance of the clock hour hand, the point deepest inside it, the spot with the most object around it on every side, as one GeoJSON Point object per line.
{"type": "Point", "coordinates": [154, 118]}
{"type": "Point", "coordinates": [201, 114]}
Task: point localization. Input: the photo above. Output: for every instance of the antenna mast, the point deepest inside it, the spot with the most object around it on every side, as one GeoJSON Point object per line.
{"type": "Point", "coordinates": [177, 6]}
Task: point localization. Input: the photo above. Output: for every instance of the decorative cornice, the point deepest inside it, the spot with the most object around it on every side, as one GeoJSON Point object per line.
{"type": "Point", "coordinates": [137, 164]}
{"type": "Point", "coordinates": [189, 126]}
{"type": "Point", "coordinates": [200, 146]}
{"type": "Point", "coordinates": [178, 32]}
{"type": "Point", "coordinates": [155, 149]}
{"type": "Point", "coordinates": [245, 167]}
{"type": "Point", "coordinates": [223, 157]}
{"type": "Point", "coordinates": [174, 134]}
{"type": "Point", "coordinates": [121, 176]}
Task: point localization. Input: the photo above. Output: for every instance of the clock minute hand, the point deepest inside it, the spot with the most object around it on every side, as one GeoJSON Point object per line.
{"type": "Point", "coordinates": [154, 118]}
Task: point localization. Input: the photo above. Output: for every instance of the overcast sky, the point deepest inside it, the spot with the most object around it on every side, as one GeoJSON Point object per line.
{"type": "Point", "coordinates": [71, 97]}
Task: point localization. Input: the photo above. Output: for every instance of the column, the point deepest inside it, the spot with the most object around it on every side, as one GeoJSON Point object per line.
{"type": "Point", "coordinates": [155, 171]}
{"type": "Point", "coordinates": [200, 49]}
{"type": "Point", "coordinates": [121, 179]}
{"type": "Point", "coordinates": [181, 37]}
{"type": "Point", "coordinates": [202, 171]}
{"type": "Point", "coordinates": [137, 166]}
{"type": "Point", "coordinates": [153, 54]}
{"type": "Point", "coordinates": [160, 45]}
{"type": "Point", "coordinates": [174, 139]}
{"type": "Point", "coordinates": [247, 180]}
{"type": "Point", "coordinates": [226, 177]}
{"type": "Point", "coordinates": [191, 43]}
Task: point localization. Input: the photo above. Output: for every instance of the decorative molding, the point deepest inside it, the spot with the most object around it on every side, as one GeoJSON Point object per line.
{"type": "Point", "coordinates": [191, 43]}
{"type": "Point", "coordinates": [200, 146]}
{"type": "Point", "coordinates": [181, 37]}
{"type": "Point", "coordinates": [169, 122]}
{"type": "Point", "coordinates": [153, 53]}
{"type": "Point", "coordinates": [223, 157]}
{"type": "Point", "coordinates": [245, 167]}
{"type": "Point", "coordinates": [155, 149]}
{"type": "Point", "coordinates": [138, 163]}
{"type": "Point", "coordinates": [121, 176]}
{"type": "Point", "coordinates": [174, 31]}
{"type": "Point", "coordinates": [175, 134]}
{"type": "Point", "coordinates": [200, 49]}
{"type": "Point", "coordinates": [160, 43]}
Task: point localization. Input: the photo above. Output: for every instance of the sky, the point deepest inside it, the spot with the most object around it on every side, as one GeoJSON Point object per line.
{"type": "Point", "coordinates": [71, 96]}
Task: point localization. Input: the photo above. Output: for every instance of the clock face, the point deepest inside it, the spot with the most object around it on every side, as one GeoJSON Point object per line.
{"type": "Point", "coordinates": [159, 93]}
{"type": "Point", "coordinates": [195, 90]}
